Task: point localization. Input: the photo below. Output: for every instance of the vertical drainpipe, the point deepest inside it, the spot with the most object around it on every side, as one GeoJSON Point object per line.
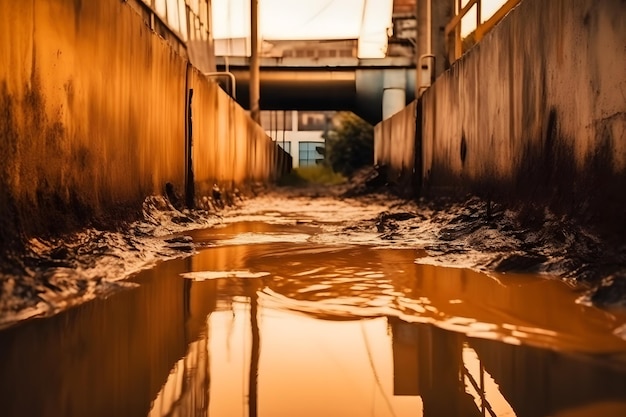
{"type": "Point", "coordinates": [425, 74]}
{"type": "Point", "coordinates": [429, 26]}
{"type": "Point", "coordinates": [189, 178]}
{"type": "Point", "coordinates": [426, 61]}
{"type": "Point", "coordinates": [254, 62]}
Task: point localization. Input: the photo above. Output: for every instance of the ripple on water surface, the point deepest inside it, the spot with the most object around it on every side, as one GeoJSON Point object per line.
{"type": "Point", "coordinates": [284, 326]}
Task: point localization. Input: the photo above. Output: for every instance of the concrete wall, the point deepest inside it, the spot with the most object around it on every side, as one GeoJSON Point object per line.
{"type": "Point", "coordinates": [229, 148]}
{"type": "Point", "coordinates": [536, 113]}
{"type": "Point", "coordinates": [93, 117]}
{"type": "Point", "coordinates": [395, 148]}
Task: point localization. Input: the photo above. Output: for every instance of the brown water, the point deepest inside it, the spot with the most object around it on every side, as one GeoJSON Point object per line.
{"type": "Point", "coordinates": [264, 322]}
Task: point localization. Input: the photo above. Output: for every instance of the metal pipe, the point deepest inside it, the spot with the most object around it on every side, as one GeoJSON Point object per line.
{"type": "Point", "coordinates": [429, 27]}
{"type": "Point", "coordinates": [431, 77]}
{"type": "Point", "coordinates": [255, 80]}
{"type": "Point", "coordinates": [233, 81]}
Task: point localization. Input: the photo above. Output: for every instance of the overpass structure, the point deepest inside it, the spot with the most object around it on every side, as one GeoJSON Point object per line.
{"type": "Point", "coordinates": [374, 89]}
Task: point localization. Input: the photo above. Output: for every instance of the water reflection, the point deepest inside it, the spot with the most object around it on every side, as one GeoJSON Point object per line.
{"type": "Point", "coordinates": [104, 358]}
{"type": "Point", "coordinates": [340, 286]}
{"type": "Point", "coordinates": [461, 376]}
{"type": "Point", "coordinates": [317, 330]}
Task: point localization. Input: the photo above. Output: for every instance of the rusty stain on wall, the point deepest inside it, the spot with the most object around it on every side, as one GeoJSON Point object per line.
{"type": "Point", "coordinates": [92, 118]}
{"type": "Point", "coordinates": [534, 114]}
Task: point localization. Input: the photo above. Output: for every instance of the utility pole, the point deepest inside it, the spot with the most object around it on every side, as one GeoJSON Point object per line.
{"type": "Point", "coordinates": [254, 61]}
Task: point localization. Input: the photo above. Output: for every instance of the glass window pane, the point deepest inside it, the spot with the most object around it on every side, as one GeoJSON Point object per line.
{"type": "Point", "coordinates": [308, 154]}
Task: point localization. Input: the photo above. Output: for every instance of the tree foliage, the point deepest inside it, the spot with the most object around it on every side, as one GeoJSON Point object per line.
{"type": "Point", "coordinates": [349, 143]}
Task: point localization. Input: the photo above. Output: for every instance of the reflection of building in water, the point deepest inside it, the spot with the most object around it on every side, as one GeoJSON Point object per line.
{"type": "Point", "coordinates": [460, 376]}
{"type": "Point", "coordinates": [538, 382]}
{"type": "Point", "coordinates": [428, 363]}
{"type": "Point", "coordinates": [185, 393]}
{"type": "Point", "coordinates": [405, 337]}
{"type": "Point", "coordinates": [186, 390]}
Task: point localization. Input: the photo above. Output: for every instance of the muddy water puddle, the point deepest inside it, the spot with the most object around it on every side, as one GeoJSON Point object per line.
{"type": "Point", "coordinates": [264, 321]}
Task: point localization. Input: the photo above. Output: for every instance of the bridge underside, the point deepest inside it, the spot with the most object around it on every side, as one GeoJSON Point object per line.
{"type": "Point", "coordinates": [300, 90]}
{"type": "Point", "coordinates": [360, 86]}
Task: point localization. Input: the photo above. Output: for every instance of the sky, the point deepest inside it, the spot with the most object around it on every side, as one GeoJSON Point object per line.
{"type": "Point", "coordinates": [367, 20]}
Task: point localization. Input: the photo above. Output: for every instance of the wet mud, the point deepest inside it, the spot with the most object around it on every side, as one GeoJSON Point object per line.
{"type": "Point", "coordinates": [53, 274]}
{"type": "Point", "coordinates": [280, 313]}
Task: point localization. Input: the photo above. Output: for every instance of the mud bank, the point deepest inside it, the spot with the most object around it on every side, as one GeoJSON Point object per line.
{"type": "Point", "coordinates": [54, 274]}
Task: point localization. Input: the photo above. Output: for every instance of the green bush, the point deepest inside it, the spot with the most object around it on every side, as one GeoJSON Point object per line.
{"type": "Point", "coordinates": [349, 143]}
{"type": "Point", "coordinates": [312, 175]}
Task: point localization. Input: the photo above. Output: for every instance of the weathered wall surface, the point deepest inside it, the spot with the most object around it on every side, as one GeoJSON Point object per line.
{"type": "Point", "coordinates": [86, 111]}
{"type": "Point", "coordinates": [395, 148]}
{"type": "Point", "coordinates": [536, 113]}
{"type": "Point", "coordinates": [228, 147]}
{"type": "Point", "coordinates": [93, 115]}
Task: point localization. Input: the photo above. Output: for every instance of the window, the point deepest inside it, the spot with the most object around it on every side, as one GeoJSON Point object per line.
{"type": "Point", "coordinates": [276, 120]}
{"type": "Point", "coordinates": [309, 154]}
{"type": "Point", "coordinates": [312, 121]}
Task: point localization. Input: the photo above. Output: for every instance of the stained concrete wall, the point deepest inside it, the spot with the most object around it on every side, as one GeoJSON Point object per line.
{"type": "Point", "coordinates": [229, 148]}
{"type": "Point", "coordinates": [93, 116]}
{"type": "Point", "coordinates": [536, 113]}
{"type": "Point", "coordinates": [394, 148]}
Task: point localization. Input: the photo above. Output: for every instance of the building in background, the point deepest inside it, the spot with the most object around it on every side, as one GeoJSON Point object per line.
{"type": "Point", "coordinates": [299, 133]}
{"type": "Point", "coordinates": [314, 49]}
{"type": "Point", "coordinates": [403, 32]}
{"type": "Point", "coordinates": [365, 21]}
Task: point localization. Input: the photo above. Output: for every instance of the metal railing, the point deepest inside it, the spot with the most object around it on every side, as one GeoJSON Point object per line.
{"type": "Point", "coordinates": [485, 407]}
{"type": "Point", "coordinates": [454, 40]}
{"type": "Point", "coordinates": [232, 89]}
{"type": "Point", "coordinates": [186, 19]}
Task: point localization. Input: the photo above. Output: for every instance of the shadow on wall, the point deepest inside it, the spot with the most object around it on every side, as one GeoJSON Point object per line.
{"type": "Point", "coordinates": [86, 134]}
{"type": "Point", "coordinates": [549, 175]}
{"type": "Point", "coordinates": [33, 165]}
{"type": "Point", "coordinates": [533, 116]}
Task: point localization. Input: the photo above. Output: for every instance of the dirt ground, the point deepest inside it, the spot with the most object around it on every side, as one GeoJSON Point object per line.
{"type": "Point", "coordinates": [466, 233]}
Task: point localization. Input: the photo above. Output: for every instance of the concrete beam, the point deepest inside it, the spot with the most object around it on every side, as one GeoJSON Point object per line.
{"type": "Point", "coordinates": [241, 62]}
{"type": "Point", "coordinates": [300, 90]}
{"type": "Point", "coordinates": [351, 84]}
